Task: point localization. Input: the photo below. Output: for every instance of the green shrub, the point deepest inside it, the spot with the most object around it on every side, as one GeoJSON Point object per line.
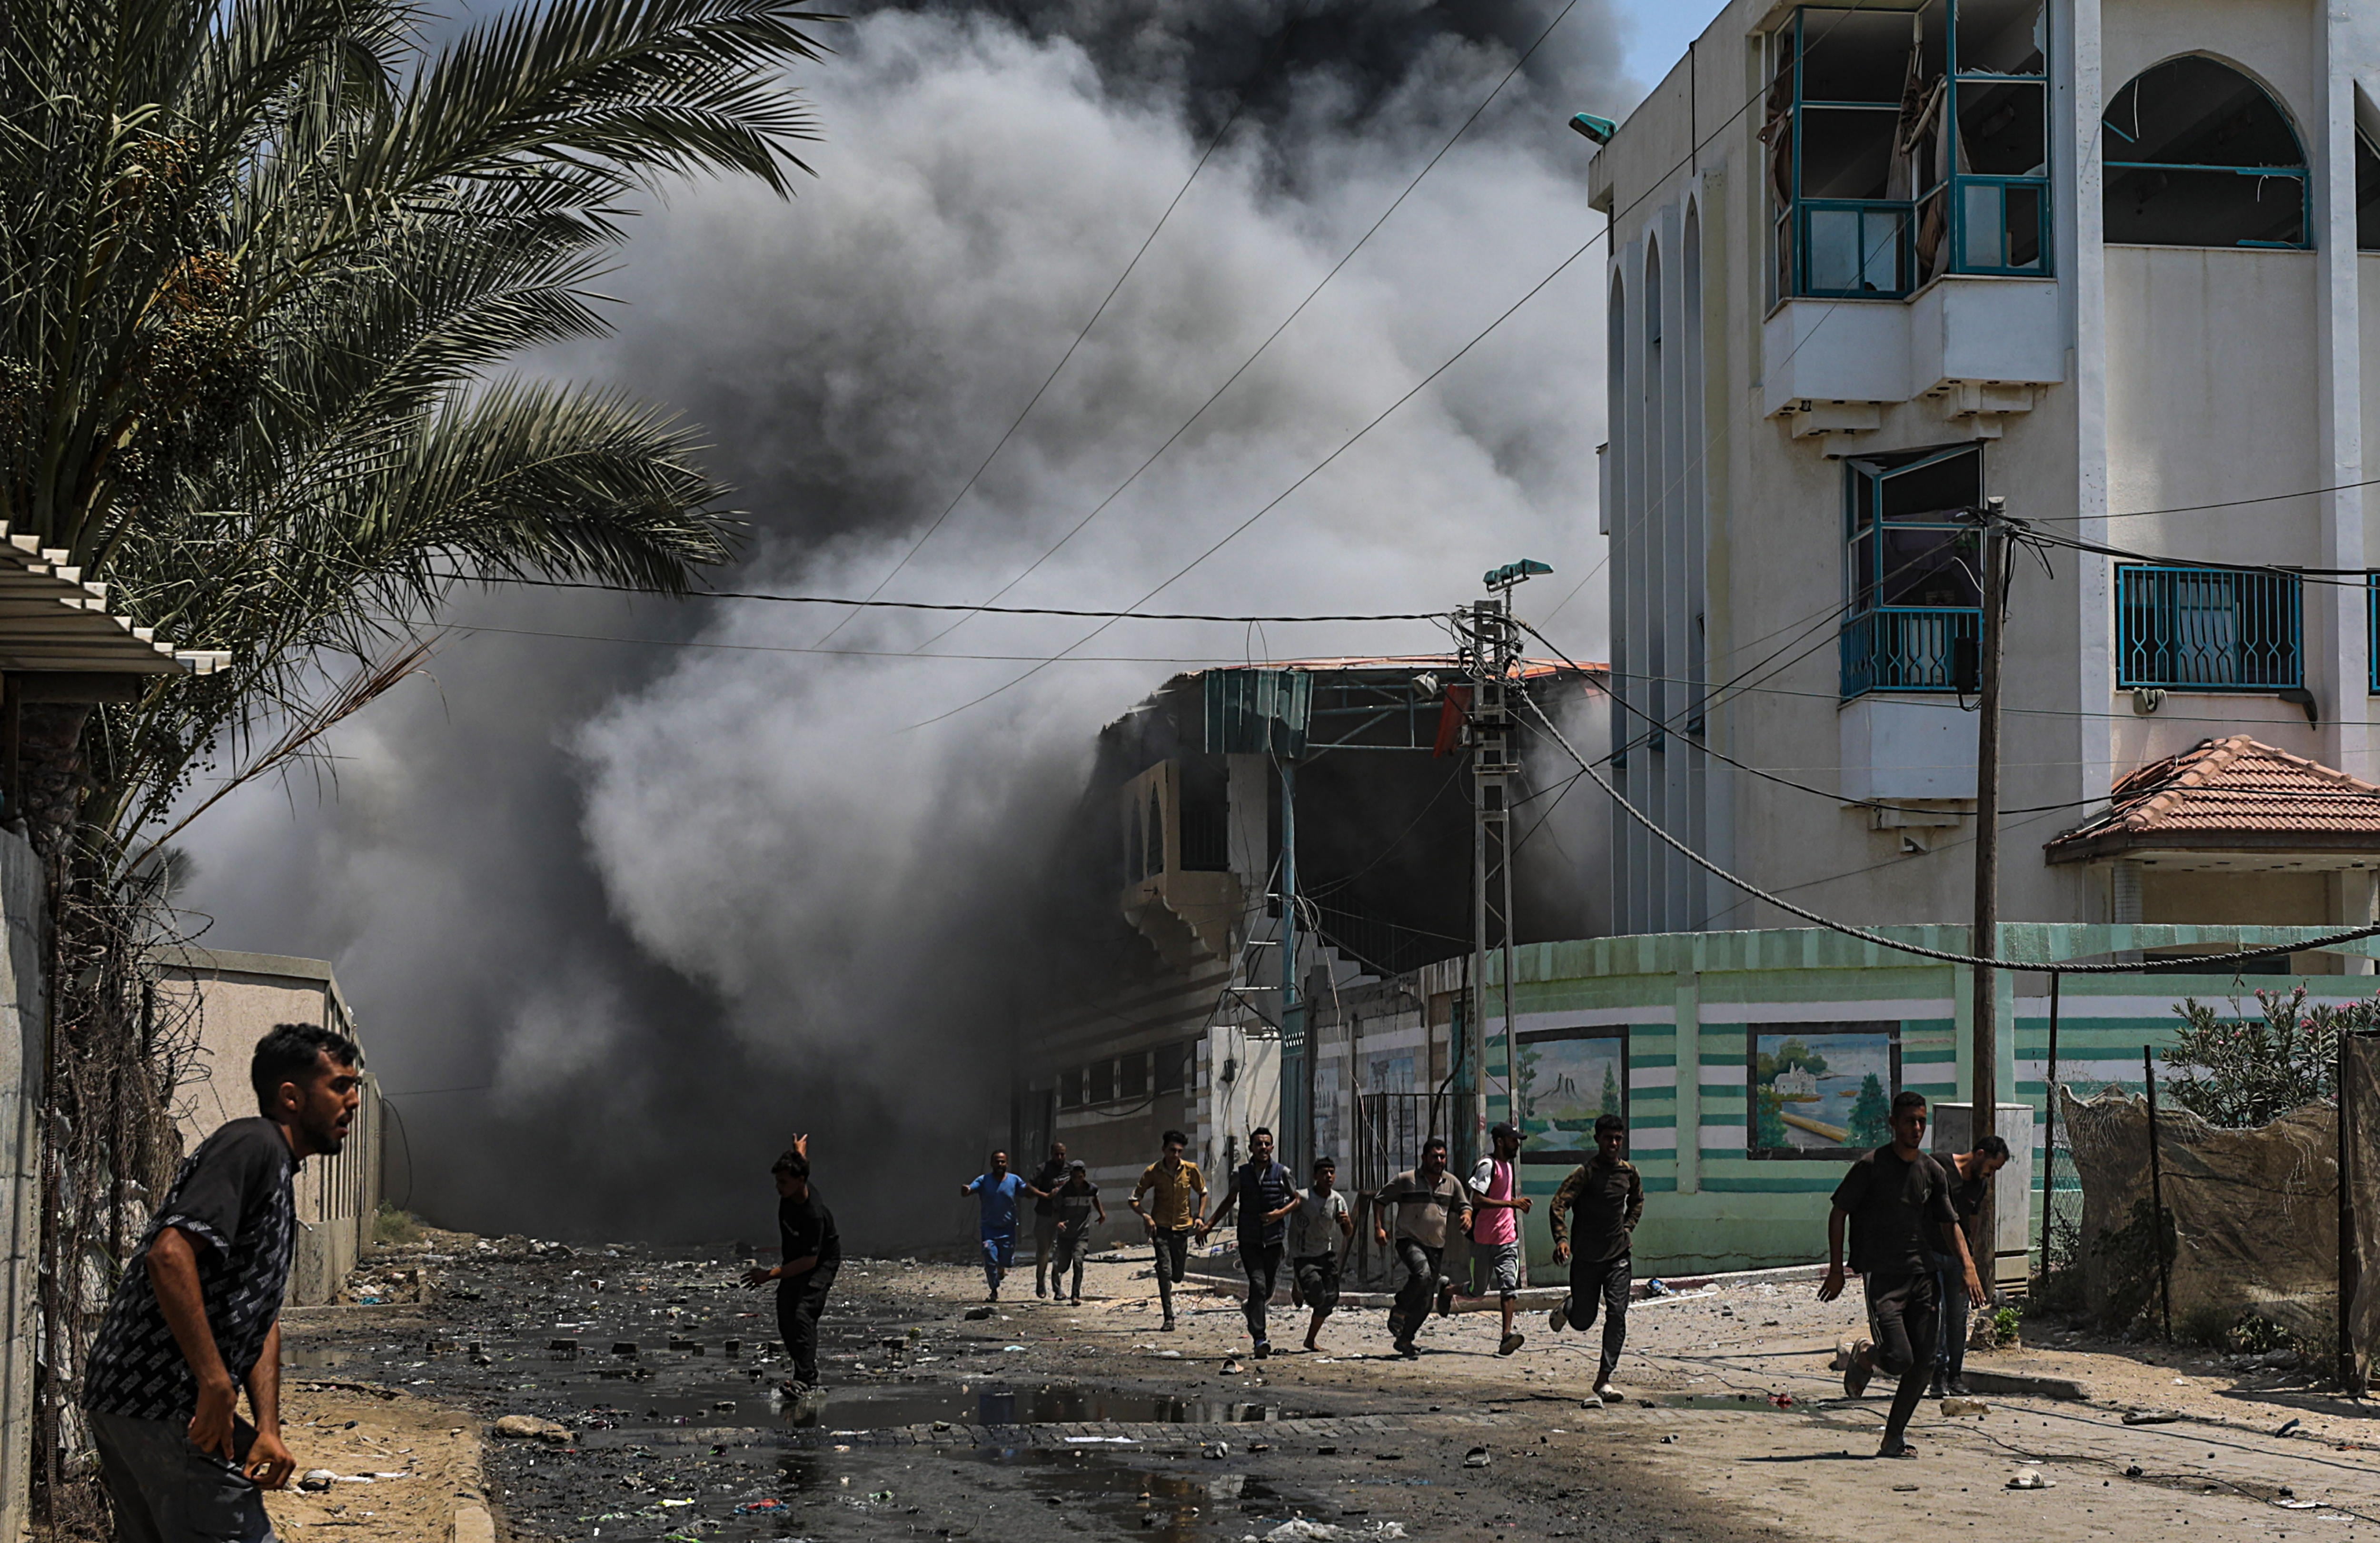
{"type": "Point", "coordinates": [391, 1226]}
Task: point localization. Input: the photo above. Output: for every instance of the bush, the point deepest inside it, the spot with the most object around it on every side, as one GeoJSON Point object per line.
{"type": "Point", "coordinates": [2252, 1071]}
{"type": "Point", "coordinates": [391, 1226]}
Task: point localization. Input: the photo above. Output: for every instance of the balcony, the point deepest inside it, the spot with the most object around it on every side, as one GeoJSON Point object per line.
{"type": "Point", "coordinates": [1906, 648]}
{"type": "Point", "coordinates": [2208, 629]}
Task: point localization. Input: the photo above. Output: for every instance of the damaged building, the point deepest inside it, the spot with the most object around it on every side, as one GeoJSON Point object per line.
{"type": "Point", "coordinates": [1343, 786]}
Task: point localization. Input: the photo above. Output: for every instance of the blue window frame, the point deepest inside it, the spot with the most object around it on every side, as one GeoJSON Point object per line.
{"type": "Point", "coordinates": [2199, 155]}
{"type": "Point", "coordinates": [2372, 628]}
{"type": "Point", "coordinates": [2208, 629]}
{"type": "Point", "coordinates": [1904, 144]}
{"type": "Point", "coordinates": [1914, 590]}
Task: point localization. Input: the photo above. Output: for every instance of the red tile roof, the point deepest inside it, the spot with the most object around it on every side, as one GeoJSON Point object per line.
{"type": "Point", "coordinates": [2236, 793]}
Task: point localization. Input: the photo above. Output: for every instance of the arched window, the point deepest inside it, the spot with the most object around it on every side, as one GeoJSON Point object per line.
{"type": "Point", "coordinates": [2199, 155]}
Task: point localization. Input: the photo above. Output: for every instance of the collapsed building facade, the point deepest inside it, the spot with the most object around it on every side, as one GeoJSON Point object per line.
{"type": "Point", "coordinates": [1200, 818]}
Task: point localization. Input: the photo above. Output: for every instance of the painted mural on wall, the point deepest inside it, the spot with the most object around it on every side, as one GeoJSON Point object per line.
{"type": "Point", "coordinates": [1821, 1090]}
{"type": "Point", "coordinates": [1564, 1080]}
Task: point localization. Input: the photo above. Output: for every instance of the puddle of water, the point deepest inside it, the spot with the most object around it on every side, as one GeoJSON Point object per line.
{"type": "Point", "coordinates": [1172, 1505]}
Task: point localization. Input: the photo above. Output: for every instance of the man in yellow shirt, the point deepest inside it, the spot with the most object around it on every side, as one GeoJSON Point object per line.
{"type": "Point", "coordinates": [1177, 1193]}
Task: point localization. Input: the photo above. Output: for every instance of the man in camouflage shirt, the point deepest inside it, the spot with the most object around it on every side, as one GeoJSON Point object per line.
{"type": "Point", "coordinates": [198, 1314]}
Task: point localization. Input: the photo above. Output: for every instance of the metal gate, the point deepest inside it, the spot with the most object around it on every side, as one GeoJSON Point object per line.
{"type": "Point", "coordinates": [1389, 1130]}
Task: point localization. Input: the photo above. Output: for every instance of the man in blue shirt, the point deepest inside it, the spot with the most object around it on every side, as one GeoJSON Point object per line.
{"type": "Point", "coordinates": [996, 1190]}
{"type": "Point", "coordinates": [1264, 1195]}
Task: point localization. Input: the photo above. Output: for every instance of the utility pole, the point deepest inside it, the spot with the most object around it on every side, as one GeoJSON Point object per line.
{"type": "Point", "coordinates": [1985, 1052]}
{"type": "Point", "coordinates": [1296, 1065]}
{"type": "Point", "coordinates": [1491, 649]}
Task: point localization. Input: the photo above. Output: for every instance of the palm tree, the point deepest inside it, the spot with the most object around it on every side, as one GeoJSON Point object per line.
{"type": "Point", "coordinates": [262, 259]}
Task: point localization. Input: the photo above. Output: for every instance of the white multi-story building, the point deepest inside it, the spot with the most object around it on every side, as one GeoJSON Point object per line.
{"type": "Point", "coordinates": [2103, 259]}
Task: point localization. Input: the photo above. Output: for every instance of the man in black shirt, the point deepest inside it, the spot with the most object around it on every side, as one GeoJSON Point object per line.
{"type": "Point", "coordinates": [813, 1252]}
{"type": "Point", "coordinates": [1265, 1195]}
{"type": "Point", "coordinates": [1602, 1200]}
{"type": "Point", "coordinates": [1897, 1200]}
{"type": "Point", "coordinates": [198, 1313]}
{"type": "Point", "coordinates": [1969, 1172]}
{"type": "Point", "coordinates": [1043, 1186]}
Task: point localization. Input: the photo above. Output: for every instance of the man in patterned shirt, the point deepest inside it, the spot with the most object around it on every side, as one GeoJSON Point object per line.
{"type": "Point", "coordinates": [198, 1314]}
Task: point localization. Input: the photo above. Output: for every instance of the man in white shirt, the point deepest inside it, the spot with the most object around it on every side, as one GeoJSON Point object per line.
{"type": "Point", "coordinates": [1317, 1228]}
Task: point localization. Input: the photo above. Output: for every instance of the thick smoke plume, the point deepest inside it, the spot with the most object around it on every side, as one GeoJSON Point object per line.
{"type": "Point", "coordinates": [669, 903]}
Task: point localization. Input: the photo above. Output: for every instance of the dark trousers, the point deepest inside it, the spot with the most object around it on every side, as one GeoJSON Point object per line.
{"type": "Point", "coordinates": [1045, 1251]}
{"type": "Point", "coordinates": [1603, 1284]}
{"type": "Point", "coordinates": [1068, 1248]}
{"type": "Point", "coordinates": [166, 1490]}
{"type": "Point", "coordinates": [1172, 1259]}
{"type": "Point", "coordinates": [1903, 1314]}
{"type": "Point", "coordinates": [1261, 1264]}
{"type": "Point", "coordinates": [1420, 1286]}
{"type": "Point", "coordinates": [1950, 1343]}
{"type": "Point", "coordinates": [799, 1303]}
{"type": "Point", "coordinates": [1317, 1280]}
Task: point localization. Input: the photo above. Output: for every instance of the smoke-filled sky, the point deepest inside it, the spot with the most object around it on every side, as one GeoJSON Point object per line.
{"type": "Point", "coordinates": [651, 906]}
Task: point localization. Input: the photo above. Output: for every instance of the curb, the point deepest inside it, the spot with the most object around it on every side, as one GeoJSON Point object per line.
{"type": "Point", "coordinates": [473, 1525]}
{"type": "Point", "coordinates": [2020, 1384]}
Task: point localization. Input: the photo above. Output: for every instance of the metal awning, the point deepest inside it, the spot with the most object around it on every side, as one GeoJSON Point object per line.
{"type": "Point", "coordinates": [53, 621]}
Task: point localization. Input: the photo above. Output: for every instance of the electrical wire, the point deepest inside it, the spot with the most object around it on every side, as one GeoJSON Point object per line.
{"type": "Point", "coordinates": [1205, 659]}
{"type": "Point", "coordinates": [1000, 610]}
{"type": "Point", "coordinates": [1113, 290]}
{"type": "Point", "coordinates": [1879, 940]}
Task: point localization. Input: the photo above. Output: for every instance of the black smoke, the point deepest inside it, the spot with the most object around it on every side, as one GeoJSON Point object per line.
{"type": "Point", "coordinates": [649, 908]}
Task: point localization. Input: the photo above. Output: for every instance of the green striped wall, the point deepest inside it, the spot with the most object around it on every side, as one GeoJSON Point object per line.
{"type": "Point", "coordinates": [1733, 1211]}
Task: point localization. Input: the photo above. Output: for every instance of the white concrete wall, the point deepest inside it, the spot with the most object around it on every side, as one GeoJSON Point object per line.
{"type": "Point", "coordinates": [2159, 376]}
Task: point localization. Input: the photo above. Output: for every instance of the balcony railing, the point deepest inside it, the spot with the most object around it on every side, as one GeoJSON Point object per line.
{"type": "Point", "coordinates": [2208, 629]}
{"type": "Point", "coordinates": [1905, 648]}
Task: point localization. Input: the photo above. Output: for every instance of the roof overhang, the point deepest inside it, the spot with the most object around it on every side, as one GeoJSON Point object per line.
{"type": "Point", "coordinates": [2235, 854]}
{"type": "Point", "coordinates": [52, 622]}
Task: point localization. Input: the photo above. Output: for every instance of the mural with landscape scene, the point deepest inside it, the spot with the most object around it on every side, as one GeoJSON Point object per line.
{"type": "Point", "coordinates": [1821, 1090]}
{"type": "Point", "coordinates": [1563, 1080]}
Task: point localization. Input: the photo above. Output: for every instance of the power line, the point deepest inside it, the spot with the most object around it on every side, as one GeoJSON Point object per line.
{"type": "Point", "coordinates": [1878, 938]}
{"type": "Point", "coordinates": [1272, 338]}
{"type": "Point", "coordinates": [1208, 660]}
{"type": "Point", "coordinates": [937, 605]}
{"type": "Point", "coordinates": [1114, 289]}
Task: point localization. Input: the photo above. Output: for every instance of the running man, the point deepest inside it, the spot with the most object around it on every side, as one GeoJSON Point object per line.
{"type": "Point", "coordinates": [1043, 1187]}
{"type": "Point", "coordinates": [1178, 1194]}
{"type": "Point", "coordinates": [197, 1316]}
{"type": "Point", "coordinates": [1969, 1171]}
{"type": "Point", "coordinates": [1497, 1201]}
{"type": "Point", "coordinates": [1318, 1231]}
{"type": "Point", "coordinates": [1426, 1198]}
{"type": "Point", "coordinates": [1077, 1199]}
{"type": "Point", "coordinates": [996, 1190]}
{"type": "Point", "coordinates": [812, 1253]}
{"type": "Point", "coordinates": [1593, 1217]}
{"type": "Point", "coordinates": [1896, 1199]}
{"type": "Point", "coordinates": [1264, 1195]}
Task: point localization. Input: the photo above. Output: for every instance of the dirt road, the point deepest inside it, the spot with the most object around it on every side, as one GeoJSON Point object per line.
{"type": "Point", "coordinates": [1045, 1421]}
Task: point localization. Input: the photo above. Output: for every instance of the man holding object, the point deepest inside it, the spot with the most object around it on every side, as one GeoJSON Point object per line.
{"type": "Point", "coordinates": [198, 1314]}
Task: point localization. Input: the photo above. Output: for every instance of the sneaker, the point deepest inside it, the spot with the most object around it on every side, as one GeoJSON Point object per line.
{"type": "Point", "coordinates": [1934, 1389]}
{"type": "Point", "coordinates": [1956, 1388]}
{"type": "Point", "coordinates": [1592, 1401]}
{"type": "Point", "coordinates": [1510, 1343]}
{"type": "Point", "coordinates": [1855, 1375]}
{"type": "Point", "coordinates": [1409, 1350]}
{"type": "Point", "coordinates": [1559, 1319]}
{"type": "Point", "coordinates": [1167, 1326]}
{"type": "Point", "coordinates": [1078, 1302]}
{"type": "Point", "coordinates": [1609, 1394]}
{"type": "Point", "coordinates": [1264, 1349]}
{"type": "Point", "coordinates": [1445, 1298]}
{"type": "Point", "coordinates": [1896, 1449]}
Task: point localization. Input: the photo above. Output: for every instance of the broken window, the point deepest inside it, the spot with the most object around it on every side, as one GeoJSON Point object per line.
{"type": "Point", "coordinates": [1907, 143]}
{"type": "Point", "coordinates": [1915, 592]}
{"type": "Point", "coordinates": [2199, 155]}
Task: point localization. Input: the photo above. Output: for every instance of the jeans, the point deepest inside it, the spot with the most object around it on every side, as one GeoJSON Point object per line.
{"type": "Point", "coordinates": [1950, 1343]}
{"type": "Point", "coordinates": [799, 1303]}
{"type": "Point", "coordinates": [1317, 1280]}
{"type": "Point", "coordinates": [999, 1252]}
{"type": "Point", "coordinates": [1072, 1246]}
{"type": "Point", "coordinates": [1420, 1286]}
{"type": "Point", "coordinates": [1172, 1259]}
{"type": "Point", "coordinates": [1261, 1264]}
{"type": "Point", "coordinates": [166, 1490]}
{"type": "Point", "coordinates": [1903, 1315]}
{"type": "Point", "coordinates": [1602, 1283]}
{"type": "Point", "coordinates": [1045, 1243]}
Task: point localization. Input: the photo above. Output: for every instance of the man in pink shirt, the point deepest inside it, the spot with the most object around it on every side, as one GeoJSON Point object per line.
{"type": "Point", "coordinates": [1497, 1207]}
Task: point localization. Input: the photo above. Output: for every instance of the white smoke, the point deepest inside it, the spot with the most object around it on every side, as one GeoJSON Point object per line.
{"type": "Point", "coordinates": [679, 901]}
